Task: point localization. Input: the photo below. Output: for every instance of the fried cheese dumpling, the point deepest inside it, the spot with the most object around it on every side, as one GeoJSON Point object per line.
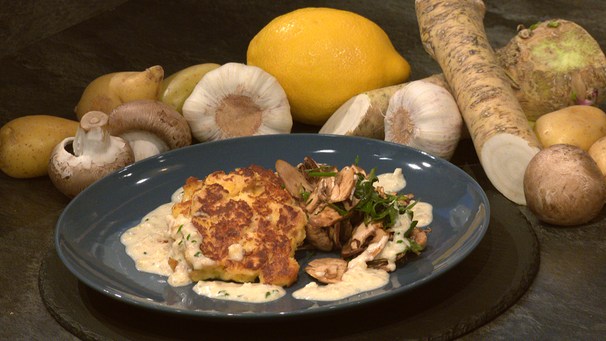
{"type": "Point", "coordinates": [250, 227]}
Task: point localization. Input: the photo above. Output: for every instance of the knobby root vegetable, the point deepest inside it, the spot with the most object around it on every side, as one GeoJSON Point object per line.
{"type": "Point", "coordinates": [453, 33]}
{"type": "Point", "coordinates": [564, 186]}
{"type": "Point", "coordinates": [425, 116]}
{"type": "Point", "coordinates": [26, 143]}
{"type": "Point", "coordinates": [553, 65]}
{"type": "Point", "coordinates": [363, 114]}
{"type": "Point", "coordinates": [578, 125]}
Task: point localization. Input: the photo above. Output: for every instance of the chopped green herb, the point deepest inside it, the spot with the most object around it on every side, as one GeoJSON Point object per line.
{"type": "Point", "coordinates": [376, 207]}
{"type": "Point", "coordinates": [267, 294]}
{"type": "Point", "coordinates": [180, 227]}
{"type": "Point", "coordinates": [222, 293]}
{"type": "Point", "coordinates": [304, 194]}
{"type": "Point", "coordinates": [188, 236]}
{"type": "Point", "coordinates": [322, 174]}
{"type": "Point", "coordinates": [337, 207]}
{"type": "Point", "coordinates": [317, 169]}
{"type": "Point", "coordinates": [198, 254]}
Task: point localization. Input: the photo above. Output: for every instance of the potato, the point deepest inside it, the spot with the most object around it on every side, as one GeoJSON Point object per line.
{"type": "Point", "coordinates": [177, 88]}
{"type": "Point", "coordinates": [26, 143]}
{"type": "Point", "coordinates": [597, 151]}
{"type": "Point", "coordinates": [108, 91]}
{"type": "Point", "coordinates": [578, 125]}
{"type": "Point", "coordinates": [564, 186]}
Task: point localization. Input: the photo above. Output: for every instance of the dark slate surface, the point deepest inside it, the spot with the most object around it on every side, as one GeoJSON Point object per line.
{"type": "Point", "coordinates": [51, 49]}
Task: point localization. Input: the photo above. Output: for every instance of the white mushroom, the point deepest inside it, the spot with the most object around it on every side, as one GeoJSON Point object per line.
{"type": "Point", "coordinates": [237, 100]}
{"type": "Point", "coordinates": [150, 127]}
{"type": "Point", "coordinates": [77, 162]}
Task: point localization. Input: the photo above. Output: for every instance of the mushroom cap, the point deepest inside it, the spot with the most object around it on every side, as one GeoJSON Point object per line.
{"type": "Point", "coordinates": [71, 176]}
{"type": "Point", "coordinates": [151, 116]}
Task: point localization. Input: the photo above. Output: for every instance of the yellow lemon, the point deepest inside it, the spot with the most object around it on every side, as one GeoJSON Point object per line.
{"type": "Point", "coordinates": [322, 57]}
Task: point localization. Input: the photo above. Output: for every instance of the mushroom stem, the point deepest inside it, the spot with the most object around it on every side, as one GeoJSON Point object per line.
{"type": "Point", "coordinates": [92, 136]}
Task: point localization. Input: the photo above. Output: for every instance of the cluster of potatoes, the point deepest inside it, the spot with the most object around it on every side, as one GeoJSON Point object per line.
{"type": "Point", "coordinates": [27, 143]}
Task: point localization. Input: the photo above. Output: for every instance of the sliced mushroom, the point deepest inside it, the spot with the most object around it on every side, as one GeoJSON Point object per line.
{"type": "Point", "coordinates": [294, 180]}
{"type": "Point", "coordinates": [362, 234]}
{"type": "Point", "coordinates": [343, 186]}
{"type": "Point", "coordinates": [419, 236]}
{"type": "Point", "coordinates": [318, 237]}
{"type": "Point", "coordinates": [334, 232]}
{"type": "Point", "coordinates": [359, 170]}
{"type": "Point", "coordinates": [150, 127]}
{"type": "Point", "coordinates": [318, 226]}
{"type": "Point", "coordinates": [325, 216]}
{"type": "Point", "coordinates": [327, 270]}
{"type": "Point", "coordinates": [77, 162]}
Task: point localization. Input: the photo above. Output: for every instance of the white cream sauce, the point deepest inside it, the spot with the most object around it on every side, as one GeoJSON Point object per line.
{"type": "Point", "coordinates": [391, 182]}
{"type": "Point", "coordinates": [243, 292]}
{"type": "Point", "coordinates": [148, 243]}
{"type": "Point", "coordinates": [423, 213]}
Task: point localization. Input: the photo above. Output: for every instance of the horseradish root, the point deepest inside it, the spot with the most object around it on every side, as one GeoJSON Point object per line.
{"type": "Point", "coordinates": [453, 34]}
{"type": "Point", "coordinates": [425, 116]}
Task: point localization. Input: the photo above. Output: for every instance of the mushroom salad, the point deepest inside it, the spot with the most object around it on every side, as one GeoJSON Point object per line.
{"type": "Point", "coordinates": [361, 217]}
{"type": "Point", "coordinates": [357, 214]}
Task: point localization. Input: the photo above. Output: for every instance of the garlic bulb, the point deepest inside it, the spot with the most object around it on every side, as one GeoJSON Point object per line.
{"type": "Point", "coordinates": [237, 100]}
{"type": "Point", "coordinates": [424, 116]}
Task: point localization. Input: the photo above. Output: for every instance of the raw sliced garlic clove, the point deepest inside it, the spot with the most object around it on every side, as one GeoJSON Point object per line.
{"type": "Point", "coordinates": [237, 100]}
{"type": "Point", "coordinates": [424, 116]}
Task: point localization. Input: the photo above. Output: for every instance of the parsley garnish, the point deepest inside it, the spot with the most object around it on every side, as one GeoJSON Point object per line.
{"type": "Point", "coordinates": [376, 207]}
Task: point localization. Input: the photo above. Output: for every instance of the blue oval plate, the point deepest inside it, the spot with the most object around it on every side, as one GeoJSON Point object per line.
{"type": "Point", "coordinates": [88, 231]}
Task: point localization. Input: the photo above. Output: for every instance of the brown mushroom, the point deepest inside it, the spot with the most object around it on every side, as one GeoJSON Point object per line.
{"type": "Point", "coordinates": [419, 236]}
{"type": "Point", "coordinates": [318, 237]}
{"type": "Point", "coordinates": [77, 162]}
{"type": "Point", "coordinates": [343, 185]}
{"type": "Point", "coordinates": [361, 236]}
{"type": "Point", "coordinates": [150, 127]}
{"type": "Point", "coordinates": [294, 180]}
{"type": "Point", "coordinates": [327, 270]}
